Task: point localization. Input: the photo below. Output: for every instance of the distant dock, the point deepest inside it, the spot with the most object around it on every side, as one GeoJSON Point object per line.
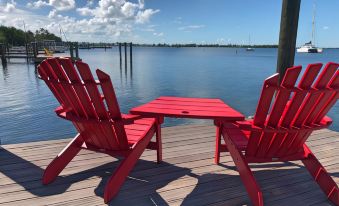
{"type": "Point", "coordinates": [35, 53]}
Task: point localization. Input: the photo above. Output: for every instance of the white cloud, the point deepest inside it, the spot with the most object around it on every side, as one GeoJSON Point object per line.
{"type": "Point", "coordinates": [61, 5]}
{"type": "Point", "coordinates": [144, 16]}
{"type": "Point", "coordinates": [178, 20]}
{"type": "Point", "coordinates": [85, 11]}
{"type": "Point", "coordinates": [37, 4]}
{"type": "Point", "coordinates": [10, 6]}
{"type": "Point", "coordinates": [149, 28]}
{"type": "Point", "coordinates": [129, 9]}
{"type": "Point", "coordinates": [106, 20]}
{"type": "Point", "coordinates": [141, 4]}
{"type": "Point", "coordinates": [325, 27]}
{"type": "Point", "coordinates": [220, 40]}
{"type": "Point", "coordinates": [158, 34]}
{"type": "Point", "coordinates": [90, 2]}
{"type": "Point", "coordinates": [52, 13]}
{"type": "Point", "coordinates": [191, 27]}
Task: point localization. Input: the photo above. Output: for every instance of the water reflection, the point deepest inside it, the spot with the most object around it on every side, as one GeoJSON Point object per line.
{"type": "Point", "coordinates": [27, 106]}
{"type": "Point", "coordinates": [4, 70]}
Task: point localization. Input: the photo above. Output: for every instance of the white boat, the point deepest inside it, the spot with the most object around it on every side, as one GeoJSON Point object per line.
{"type": "Point", "coordinates": [249, 43]}
{"type": "Point", "coordinates": [309, 47]}
{"type": "Point", "coordinates": [52, 46]}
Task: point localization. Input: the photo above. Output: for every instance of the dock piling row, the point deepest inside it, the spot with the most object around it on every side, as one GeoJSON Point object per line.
{"type": "Point", "coordinates": [125, 50]}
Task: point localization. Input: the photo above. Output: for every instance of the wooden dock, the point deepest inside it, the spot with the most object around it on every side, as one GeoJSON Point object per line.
{"type": "Point", "coordinates": [187, 176]}
{"type": "Point", "coordinates": [39, 58]}
{"type": "Point", "coordinates": [32, 53]}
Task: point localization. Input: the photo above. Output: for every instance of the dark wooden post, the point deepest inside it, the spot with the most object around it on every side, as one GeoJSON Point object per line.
{"type": "Point", "coordinates": [71, 50]}
{"type": "Point", "coordinates": [7, 48]}
{"type": "Point", "coordinates": [26, 47]}
{"type": "Point", "coordinates": [35, 49]}
{"type": "Point", "coordinates": [288, 35]}
{"type": "Point", "coordinates": [77, 50]}
{"type": "Point", "coordinates": [130, 60]}
{"type": "Point", "coordinates": [130, 54]}
{"type": "Point", "coordinates": [125, 44]}
{"type": "Point", "coordinates": [120, 54]}
{"type": "Point", "coordinates": [2, 54]}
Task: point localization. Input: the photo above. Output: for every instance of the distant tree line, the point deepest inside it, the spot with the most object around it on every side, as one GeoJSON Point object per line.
{"type": "Point", "coordinates": [209, 45]}
{"type": "Point", "coordinates": [18, 37]}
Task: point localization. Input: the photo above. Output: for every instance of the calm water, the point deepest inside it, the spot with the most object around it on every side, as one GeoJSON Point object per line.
{"type": "Point", "coordinates": [27, 106]}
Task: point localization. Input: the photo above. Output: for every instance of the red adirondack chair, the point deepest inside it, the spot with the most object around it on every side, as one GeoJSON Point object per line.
{"type": "Point", "coordinates": [97, 118]}
{"type": "Point", "coordinates": [285, 117]}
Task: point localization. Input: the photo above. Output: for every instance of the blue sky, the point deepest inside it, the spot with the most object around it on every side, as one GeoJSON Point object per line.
{"type": "Point", "coordinates": [172, 21]}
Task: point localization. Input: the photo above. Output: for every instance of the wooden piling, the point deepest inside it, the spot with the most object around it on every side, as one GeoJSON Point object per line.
{"type": "Point", "coordinates": [288, 35]}
{"type": "Point", "coordinates": [125, 44]}
{"type": "Point", "coordinates": [76, 50]}
{"type": "Point", "coordinates": [2, 54]}
{"type": "Point", "coordinates": [71, 50]}
{"type": "Point", "coordinates": [35, 49]}
{"type": "Point", "coordinates": [120, 54]}
{"type": "Point", "coordinates": [130, 54]}
{"type": "Point", "coordinates": [27, 53]}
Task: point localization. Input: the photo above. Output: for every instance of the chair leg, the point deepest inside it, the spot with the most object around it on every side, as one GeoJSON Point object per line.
{"type": "Point", "coordinates": [119, 176]}
{"type": "Point", "coordinates": [245, 172]}
{"type": "Point", "coordinates": [63, 158]}
{"type": "Point", "coordinates": [159, 143]}
{"type": "Point", "coordinates": [320, 175]}
{"type": "Point", "coordinates": [217, 144]}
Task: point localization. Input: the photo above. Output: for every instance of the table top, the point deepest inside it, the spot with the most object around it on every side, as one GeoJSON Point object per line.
{"type": "Point", "coordinates": [183, 107]}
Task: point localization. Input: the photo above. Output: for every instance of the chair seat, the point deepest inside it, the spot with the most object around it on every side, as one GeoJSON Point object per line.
{"type": "Point", "coordinates": [138, 129]}
{"type": "Point", "coordinates": [238, 136]}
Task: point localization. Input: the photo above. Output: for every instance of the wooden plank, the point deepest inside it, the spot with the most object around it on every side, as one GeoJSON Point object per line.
{"type": "Point", "coordinates": [188, 175]}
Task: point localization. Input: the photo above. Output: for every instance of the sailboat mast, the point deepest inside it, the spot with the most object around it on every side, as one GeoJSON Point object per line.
{"type": "Point", "coordinates": [313, 26]}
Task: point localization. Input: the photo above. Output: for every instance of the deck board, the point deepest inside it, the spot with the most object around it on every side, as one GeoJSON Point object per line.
{"type": "Point", "coordinates": [187, 176]}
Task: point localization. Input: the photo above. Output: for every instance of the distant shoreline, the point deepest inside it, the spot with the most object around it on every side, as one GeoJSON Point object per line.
{"type": "Point", "coordinates": [206, 45]}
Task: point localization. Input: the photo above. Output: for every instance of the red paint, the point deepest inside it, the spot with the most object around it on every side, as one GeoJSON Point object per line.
{"type": "Point", "coordinates": [196, 108]}
{"type": "Point", "coordinates": [282, 125]}
{"type": "Point", "coordinates": [97, 118]}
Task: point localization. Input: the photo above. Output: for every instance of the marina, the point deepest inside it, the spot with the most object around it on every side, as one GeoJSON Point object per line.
{"type": "Point", "coordinates": [157, 103]}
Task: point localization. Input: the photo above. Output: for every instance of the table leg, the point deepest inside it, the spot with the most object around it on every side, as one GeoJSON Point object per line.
{"type": "Point", "coordinates": [160, 120]}
{"type": "Point", "coordinates": [217, 142]}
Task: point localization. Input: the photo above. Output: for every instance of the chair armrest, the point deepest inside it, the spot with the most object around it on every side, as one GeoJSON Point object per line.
{"type": "Point", "coordinates": [326, 121]}
{"type": "Point", "coordinates": [130, 118]}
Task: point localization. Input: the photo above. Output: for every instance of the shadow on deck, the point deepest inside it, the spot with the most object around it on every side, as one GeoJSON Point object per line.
{"type": "Point", "coordinates": [187, 176]}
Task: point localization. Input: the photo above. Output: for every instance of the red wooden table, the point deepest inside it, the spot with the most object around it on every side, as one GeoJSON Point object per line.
{"type": "Point", "coordinates": [197, 108]}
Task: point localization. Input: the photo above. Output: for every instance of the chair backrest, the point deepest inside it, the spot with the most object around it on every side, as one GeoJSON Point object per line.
{"type": "Point", "coordinates": [95, 116]}
{"type": "Point", "coordinates": [289, 113]}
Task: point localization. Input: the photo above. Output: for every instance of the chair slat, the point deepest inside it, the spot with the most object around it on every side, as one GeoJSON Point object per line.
{"type": "Point", "coordinates": [311, 99]}
{"type": "Point", "coordinates": [263, 107]}
{"type": "Point", "coordinates": [309, 104]}
{"type": "Point", "coordinates": [79, 89]}
{"type": "Point", "coordinates": [95, 130]}
{"type": "Point", "coordinates": [279, 105]}
{"type": "Point", "coordinates": [78, 107]}
{"type": "Point", "coordinates": [113, 107]}
{"type": "Point", "coordinates": [42, 72]}
{"type": "Point", "coordinates": [332, 101]}
{"type": "Point", "coordinates": [99, 106]}
{"type": "Point", "coordinates": [325, 98]}
{"type": "Point", "coordinates": [68, 89]}
{"type": "Point", "coordinates": [283, 140]}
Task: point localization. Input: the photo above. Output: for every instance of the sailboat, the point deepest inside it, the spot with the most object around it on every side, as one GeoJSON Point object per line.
{"type": "Point", "coordinates": [249, 44]}
{"type": "Point", "coordinates": [309, 47]}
